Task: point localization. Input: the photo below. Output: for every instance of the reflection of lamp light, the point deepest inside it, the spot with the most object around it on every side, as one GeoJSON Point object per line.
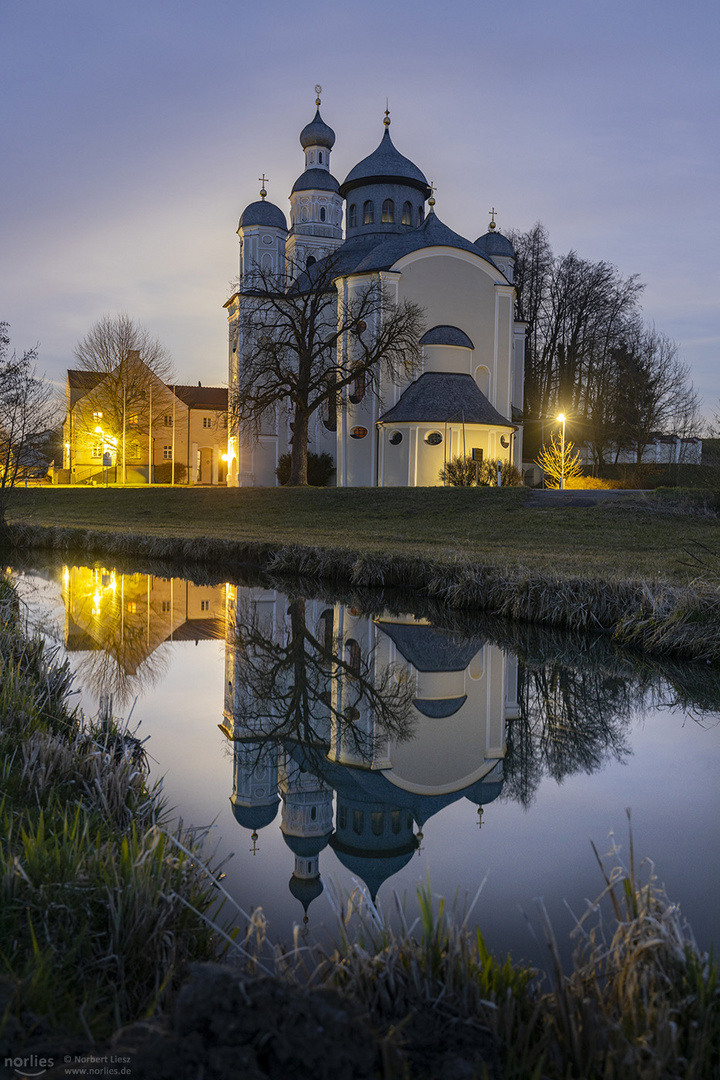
{"type": "Point", "coordinates": [225, 457]}
{"type": "Point", "coordinates": [561, 418]}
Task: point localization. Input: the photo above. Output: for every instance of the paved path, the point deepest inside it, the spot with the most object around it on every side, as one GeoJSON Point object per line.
{"type": "Point", "coordinates": [551, 498]}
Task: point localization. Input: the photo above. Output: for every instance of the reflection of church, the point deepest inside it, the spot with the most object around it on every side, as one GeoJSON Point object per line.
{"type": "Point", "coordinates": [387, 786]}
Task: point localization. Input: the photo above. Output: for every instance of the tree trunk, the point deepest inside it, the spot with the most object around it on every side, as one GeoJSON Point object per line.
{"type": "Point", "coordinates": [299, 451]}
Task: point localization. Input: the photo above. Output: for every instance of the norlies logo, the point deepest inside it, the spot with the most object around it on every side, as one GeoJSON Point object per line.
{"type": "Point", "coordinates": [29, 1066]}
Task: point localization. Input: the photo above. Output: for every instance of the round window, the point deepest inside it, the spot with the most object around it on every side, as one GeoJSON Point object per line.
{"type": "Point", "coordinates": [396, 438]}
{"type": "Point", "coordinates": [358, 432]}
{"type": "Point", "coordinates": [434, 438]}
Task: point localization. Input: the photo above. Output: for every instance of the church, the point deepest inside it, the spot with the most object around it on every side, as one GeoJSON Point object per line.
{"type": "Point", "coordinates": [380, 226]}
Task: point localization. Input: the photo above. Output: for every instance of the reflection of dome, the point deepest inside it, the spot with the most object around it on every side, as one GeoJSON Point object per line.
{"type": "Point", "coordinates": [263, 213]}
{"type": "Point", "coordinates": [305, 889]}
{"type": "Point", "coordinates": [306, 846]}
{"type": "Point", "coordinates": [426, 648]}
{"type": "Point", "coordinates": [255, 817]}
{"type": "Point", "coordinates": [374, 867]}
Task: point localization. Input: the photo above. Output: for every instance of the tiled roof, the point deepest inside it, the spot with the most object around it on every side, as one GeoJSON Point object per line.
{"type": "Point", "coordinates": [83, 380]}
{"type": "Point", "coordinates": [447, 335]}
{"type": "Point", "coordinates": [385, 163]}
{"type": "Point", "coordinates": [202, 397]}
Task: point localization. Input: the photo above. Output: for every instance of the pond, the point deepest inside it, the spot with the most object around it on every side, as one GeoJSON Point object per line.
{"type": "Point", "coordinates": [364, 739]}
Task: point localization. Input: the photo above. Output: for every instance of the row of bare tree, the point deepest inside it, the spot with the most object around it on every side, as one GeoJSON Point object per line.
{"type": "Point", "coordinates": [590, 355]}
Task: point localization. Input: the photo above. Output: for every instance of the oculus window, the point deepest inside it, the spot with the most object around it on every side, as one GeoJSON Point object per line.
{"type": "Point", "coordinates": [359, 433]}
{"type": "Point", "coordinates": [396, 438]}
{"type": "Point", "coordinates": [433, 438]}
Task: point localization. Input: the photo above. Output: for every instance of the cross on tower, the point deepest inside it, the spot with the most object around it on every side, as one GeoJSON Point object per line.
{"type": "Point", "coordinates": [433, 189]}
{"type": "Point", "coordinates": [263, 180]}
{"type": "Point", "coordinates": [493, 212]}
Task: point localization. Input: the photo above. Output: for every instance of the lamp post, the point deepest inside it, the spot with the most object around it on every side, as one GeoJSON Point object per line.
{"type": "Point", "coordinates": [561, 418]}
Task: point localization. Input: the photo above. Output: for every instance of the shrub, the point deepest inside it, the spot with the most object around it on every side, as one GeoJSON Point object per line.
{"type": "Point", "coordinates": [320, 468]}
{"type": "Point", "coordinates": [163, 473]}
{"type": "Point", "coordinates": [463, 472]}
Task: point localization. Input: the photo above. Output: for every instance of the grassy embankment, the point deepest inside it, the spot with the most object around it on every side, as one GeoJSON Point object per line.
{"type": "Point", "coordinates": [100, 913]}
{"type": "Point", "coordinates": [99, 910]}
{"type": "Point", "coordinates": [617, 566]}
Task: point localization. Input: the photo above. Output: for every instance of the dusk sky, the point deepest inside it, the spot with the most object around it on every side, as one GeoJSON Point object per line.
{"type": "Point", "coordinates": [133, 134]}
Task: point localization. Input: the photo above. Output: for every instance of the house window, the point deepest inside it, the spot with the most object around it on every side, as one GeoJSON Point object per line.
{"type": "Point", "coordinates": [132, 607]}
{"type": "Point", "coordinates": [407, 214]}
{"type": "Point", "coordinates": [134, 451]}
{"type": "Point", "coordinates": [97, 415]}
{"type": "Point", "coordinates": [207, 421]}
{"type": "Point", "coordinates": [167, 453]}
{"type": "Point", "coordinates": [204, 605]}
{"type": "Point", "coordinates": [352, 216]}
{"type": "Point", "coordinates": [168, 421]}
{"type": "Point", "coordinates": [368, 213]}
{"type": "Point", "coordinates": [388, 212]}
{"type": "Point", "coordinates": [166, 605]}
{"type": "Point", "coordinates": [433, 438]}
{"type": "Point", "coordinates": [96, 451]}
{"type": "Point", "coordinates": [132, 418]}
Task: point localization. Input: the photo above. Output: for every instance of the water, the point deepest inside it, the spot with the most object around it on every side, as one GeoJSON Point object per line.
{"type": "Point", "coordinates": [335, 742]}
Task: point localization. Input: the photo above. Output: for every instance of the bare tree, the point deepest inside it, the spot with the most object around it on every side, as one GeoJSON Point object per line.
{"type": "Point", "coordinates": [559, 461]}
{"type": "Point", "coordinates": [301, 345]}
{"type": "Point", "coordinates": [653, 391]}
{"type": "Point", "coordinates": [26, 412]}
{"type": "Point", "coordinates": [129, 371]}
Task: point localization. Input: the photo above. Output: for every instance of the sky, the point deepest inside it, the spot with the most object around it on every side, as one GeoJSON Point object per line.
{"type": "Point", "coordinates": [133, 135]}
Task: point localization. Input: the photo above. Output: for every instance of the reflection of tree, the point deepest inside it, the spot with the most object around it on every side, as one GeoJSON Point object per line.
{"type": "Point", "coordinates": [571, 720]}
{"type": "Point", "coordinates": [112, 671]}
{"type": "Point", "coordinates": [300, 686]}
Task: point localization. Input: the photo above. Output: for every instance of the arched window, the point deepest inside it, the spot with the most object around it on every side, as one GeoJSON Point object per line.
{"type": "Point", "coordinates": [322, 213]}
{"type": "Point", "coordinates": [327, 620]}
{"type": "Point", "coordinates": [353, 655]}
{"type": "Point", "coordinates": [330, 417]}
{"type": "Point", "coordinates": [352, 216]}
{"type": "Point", "coordinates": [357, 388]}
{"type": "Point", "coordinates": [421, 214]}
{"type": "Point", "coordinates": [388, 212]}
{"type": "Point", "coordinates": [407, 214]}
{"type": "Point", "coordinates": [368, 213]}
{"type": "Point", "coordinates": [377, 822]}
{"type": "Point", "coordinates": [311, 260]}
{"type": "Point", "coordinates": [482, 378]}
{"type": "Point", "coordinates": [320, 160]}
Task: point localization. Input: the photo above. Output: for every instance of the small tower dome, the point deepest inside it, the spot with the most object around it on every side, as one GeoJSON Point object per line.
{"type": "Point", "coordinates": [315, 205]}
{"type": "Point", "coordinates": [317, 132]}
{"type": "Point", "coordinates": [263, 213]}
{"type": "Point", "coordinates": [262, 230]}
{"type": "Point", "coordinates": [497, 248]}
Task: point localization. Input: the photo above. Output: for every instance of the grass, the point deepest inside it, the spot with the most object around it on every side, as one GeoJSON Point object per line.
{"type": "Point", "coordinates": [502, 527]}
{"type": "Point", "coordinates": [99, 910]}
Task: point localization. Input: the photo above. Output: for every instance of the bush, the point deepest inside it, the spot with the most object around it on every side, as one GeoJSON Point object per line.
{"type": "Point", "coordinates": [320, 468]}
{"type": "Point", "coordinates": [462, 472]}
{"type": "Point", "coordinates": [163, 473]}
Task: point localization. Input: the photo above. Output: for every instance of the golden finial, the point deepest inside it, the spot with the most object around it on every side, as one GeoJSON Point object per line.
{"type": "Point", "coordinates": [493, 226]}
{"type": "Point", "coordinates": [318, 92]}
{"type": "Point", "coordinates": [433, 189]}
{"type": "Point", "coordinates": [386, 121]}
{"type": "Point", "coordinates": [263, 180]}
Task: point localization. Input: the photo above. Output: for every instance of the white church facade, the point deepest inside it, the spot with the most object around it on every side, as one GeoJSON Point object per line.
{"type": "Point", "coordinates": [379, 225]}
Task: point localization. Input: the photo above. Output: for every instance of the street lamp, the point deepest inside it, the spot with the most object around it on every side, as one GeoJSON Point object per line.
{"type": "Point", "coordinates": [561, 418]}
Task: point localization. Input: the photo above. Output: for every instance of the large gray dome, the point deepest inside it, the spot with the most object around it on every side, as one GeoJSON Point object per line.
{"type": "Point", "coordinates": [263, 213]}
{"type": "Point", "coordinates": [385, 165]}
{"type": "Point", "coordinates": [317, 133]}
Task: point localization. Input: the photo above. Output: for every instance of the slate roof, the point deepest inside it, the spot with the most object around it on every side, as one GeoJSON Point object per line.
{"type": "Point", "coordinates": [263, 212]}
{"type": "Point", "coordinates": [317, 133]}
{"type": "Point", "coordinates": [316, 180]}
{"type": "Point", "coordinates": [428, 649]}
{"type": "Point", "coordinates": [494, 243]}
{"type": "Point", "coordinates": [438, 397]}
{"type": "Point", "coordinates": [384, 165]}
{"type": "Point", "coordinates": [202, 397]}
{"type": "Point", "coordinates": [447, 335]}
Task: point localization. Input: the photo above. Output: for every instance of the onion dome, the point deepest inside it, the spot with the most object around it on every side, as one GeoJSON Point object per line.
{"type": "Point", "coordinates": [305, 889]}
{"type": "Point", "coordinates": [317, 133]}
{"type": "Point", "coordinates": [265, 213]}
{"type": "Point", "coordinates": [385, 165]}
